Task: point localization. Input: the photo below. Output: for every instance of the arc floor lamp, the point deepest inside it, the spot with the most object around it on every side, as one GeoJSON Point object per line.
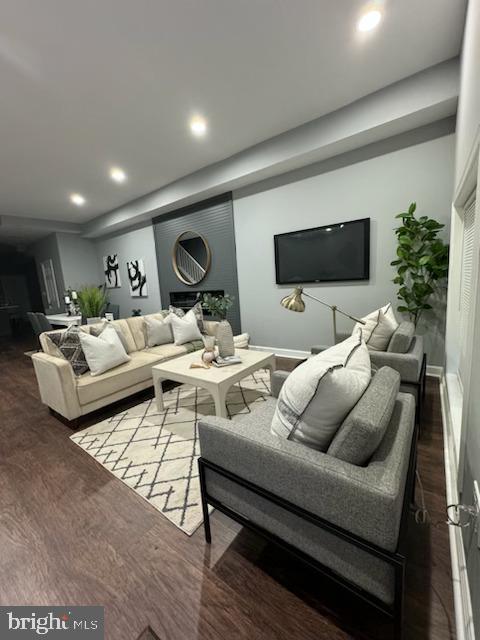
{"type": "Point", "coordinates": [295, 302]}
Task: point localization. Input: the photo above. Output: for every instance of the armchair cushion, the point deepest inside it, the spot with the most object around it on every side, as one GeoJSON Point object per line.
{"type": "Point", "coordinates": [364, 427]}
{"type": "Point", "coordinates": [319, 393]}
{"type": "Point", "coordinates": [408, 365]}
{"type": "Point", "coordinates": [378, 328]}
{"type": "Point", "coordinates": [402, 338]}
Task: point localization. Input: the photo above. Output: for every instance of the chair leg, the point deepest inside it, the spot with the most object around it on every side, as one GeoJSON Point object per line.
{"type": "Point", "coordinates": [203, 492]}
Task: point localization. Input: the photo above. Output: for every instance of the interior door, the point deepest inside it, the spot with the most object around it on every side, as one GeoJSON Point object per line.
{"type": "Point", "coordinates": [50, 285]}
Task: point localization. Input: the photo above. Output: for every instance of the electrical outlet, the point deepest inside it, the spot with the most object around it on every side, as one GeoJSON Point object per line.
{"type": "Point", "coordinates": [476, 502]}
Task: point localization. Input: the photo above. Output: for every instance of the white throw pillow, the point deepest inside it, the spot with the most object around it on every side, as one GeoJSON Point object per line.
{"type": "Point", "coordinates": [157, 331]}
{"type": "Point", "coordinates": [379, 327]}
{"type": "Point", "coordinates": [318, 395]}
{"type": "Point", "coordinates": [103, 352]}
{"type": "Point", "coordinates": [184, 329]}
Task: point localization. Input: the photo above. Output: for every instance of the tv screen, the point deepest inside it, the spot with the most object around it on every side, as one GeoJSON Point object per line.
{"type": "Point", "coordinates": [333, 253]}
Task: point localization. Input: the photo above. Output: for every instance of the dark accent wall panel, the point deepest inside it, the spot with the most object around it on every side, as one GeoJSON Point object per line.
{"type": "Point", "coordinates": [213, 219]}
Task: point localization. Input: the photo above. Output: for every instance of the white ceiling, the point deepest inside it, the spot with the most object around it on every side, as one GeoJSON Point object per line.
{"type": "Point", "coordinates": [93, 83]}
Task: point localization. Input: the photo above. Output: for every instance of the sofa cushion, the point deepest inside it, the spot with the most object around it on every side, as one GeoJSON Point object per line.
{"type": "Point", "coordinates": [135, 324]}
{"type": "Point", "coordinates": [184, 329]}
{"type": "Point", "coordinates": [137, 370]}
{"type": "Point", "coordinates": [97, 329]}
{"type": "Point", "coordinates": [157, 331]}
{"type": "Point", "coordinates": [378, 328]}
{"type": "Point", "coordinates": [70, 347]}
{"type": "Point", "coordinates": [402, 338]}
{"type": "Point", "coordinates": [363, 429]}
{"type": "Point", "coordinates": [103, 352]}
{"type": "Point", "coordinates": [318, 394]}
{"type": "Point", "coordinates": [167, 351]}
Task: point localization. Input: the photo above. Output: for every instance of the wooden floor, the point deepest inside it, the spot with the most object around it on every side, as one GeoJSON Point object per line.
{"type": "Point", "coordinates": [71, 533]}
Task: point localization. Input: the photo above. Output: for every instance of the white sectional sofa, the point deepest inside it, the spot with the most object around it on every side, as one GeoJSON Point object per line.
{"type": "Point", "coordinates": [72, 396]}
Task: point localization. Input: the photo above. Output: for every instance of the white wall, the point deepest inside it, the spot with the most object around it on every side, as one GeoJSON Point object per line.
{"type": "Point", "coordinates": [129, 245]}
{"type": "Point", "coordinates": [378, 187]}
{"type": "Point", "coordinates": [468, 124]}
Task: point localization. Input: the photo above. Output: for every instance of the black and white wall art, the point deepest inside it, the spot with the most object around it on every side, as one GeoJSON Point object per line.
{"type": "Point", "coordinates": [137, 278]}
{"type": "Point", "coordinates": [112, 271]}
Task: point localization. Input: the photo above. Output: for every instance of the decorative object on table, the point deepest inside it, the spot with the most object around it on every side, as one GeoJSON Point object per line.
{"type": "Point", "coordinates": [294, 302]}
{"type": "Point", "coordinates": [92, 301]}
{"type": "Point", "coordinates": [191, 257]}
{"type": "Point", "coordinates": [227, 361]}
{"type": "Point", "coordinates": [164, 453]}
{"type": "Point", "coordinates": [70, 299]}
{"type": "Point", "coordinates": [136, 312]}
{"type": "Point", "coordinates": [137, 278]}
{"type": "Point", "coordinates": [208, 354]}
{"type": "Point", "coordinates": [422, 262]}
{"type": "Point", "coordinates": [109, 316]}
{"type": "Point", "coordinates": [111, 270]}
{"type": "Point", "coordinates": [219, 306]}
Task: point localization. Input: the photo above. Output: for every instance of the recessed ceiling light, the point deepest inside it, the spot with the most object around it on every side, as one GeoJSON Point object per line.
{"type": "Point", "coordinates": [117, 174]}
{"type": "Point", "coordinates": [77, 199]}
{"type": "Point", "coordinates": [198, 126]}
{"type": "Point", "coordinates": [369, 20]}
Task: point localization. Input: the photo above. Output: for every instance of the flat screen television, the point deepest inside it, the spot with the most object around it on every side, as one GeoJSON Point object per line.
{"type": "Point", "coordinates": [334, 253]}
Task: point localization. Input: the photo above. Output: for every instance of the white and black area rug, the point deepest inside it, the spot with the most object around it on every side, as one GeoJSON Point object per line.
{"type": "Point", "coordinates": [155, 452]}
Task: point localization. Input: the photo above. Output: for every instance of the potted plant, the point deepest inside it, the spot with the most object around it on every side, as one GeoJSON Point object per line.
{"type": "Point", "coordinates": [422, 262]}
{"type": "Point", "coordinates": [218, 306]}
{"type": "Point", "coordinates": [92, 302]}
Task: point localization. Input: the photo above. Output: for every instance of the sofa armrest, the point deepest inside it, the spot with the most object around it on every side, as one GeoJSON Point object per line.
{"type": "Point", "coordinates": [57, 385]}
{"type": "Point", "coordinates": [278, 378]}
{"type": "Point", "coordinates": [367, 501]}
{"type": "Point", "coordinates": [408, 365]}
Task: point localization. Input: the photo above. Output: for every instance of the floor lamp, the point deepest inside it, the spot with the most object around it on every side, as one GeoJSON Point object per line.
{"type": "Point", "coordinates": [294, 302]}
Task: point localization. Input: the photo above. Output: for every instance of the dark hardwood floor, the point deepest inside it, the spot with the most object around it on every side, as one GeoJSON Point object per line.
{"type": "Point", "coordinates": [71, 533]}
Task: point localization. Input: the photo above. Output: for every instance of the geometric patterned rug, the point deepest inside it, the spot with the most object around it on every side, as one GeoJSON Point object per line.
{"type": "Point", "coordinates": [155, 452]}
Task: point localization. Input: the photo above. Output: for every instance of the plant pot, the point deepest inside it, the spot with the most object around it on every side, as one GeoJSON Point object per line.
{"type": "Point", "coordinates": [225, 343]}
{"type": "Point", "coordinates": [93, 320]}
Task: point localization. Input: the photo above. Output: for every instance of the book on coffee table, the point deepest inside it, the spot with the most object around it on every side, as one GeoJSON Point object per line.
{"type": "Point", "coordinates": [225, 362]}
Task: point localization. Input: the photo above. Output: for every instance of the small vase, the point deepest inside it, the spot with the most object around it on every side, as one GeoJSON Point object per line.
{"type": "Point", "coordinates": [208, 354]}
{"type": "Point", "coordinates": [225, 343]}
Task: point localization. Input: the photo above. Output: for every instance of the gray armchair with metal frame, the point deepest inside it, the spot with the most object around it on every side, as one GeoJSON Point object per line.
{"type": "Point", "coordinates": [346, 520]}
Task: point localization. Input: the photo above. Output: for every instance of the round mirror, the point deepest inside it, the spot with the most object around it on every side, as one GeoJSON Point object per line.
{"type": "Point", "coordinates": [191, 257]}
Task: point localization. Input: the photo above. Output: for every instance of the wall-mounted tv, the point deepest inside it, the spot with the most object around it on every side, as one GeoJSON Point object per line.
{"type": "Point", "coordinates": [334, 253]}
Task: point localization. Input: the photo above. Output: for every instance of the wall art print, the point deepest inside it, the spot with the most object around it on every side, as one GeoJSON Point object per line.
{"type": "Point", "coordinates": [137, 278]}
{"type": "Point", "coordinates": [111, 269]}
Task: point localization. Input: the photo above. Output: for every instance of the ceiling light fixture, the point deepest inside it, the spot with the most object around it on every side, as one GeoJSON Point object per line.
{"type": "Point", "coordinates": [117, 174]}
{"type": "Point", "coordinates": [369, 20]}
{"type": "Point", "coordinates": [78, 199]}
{"type": "Point", "coordinates": [198, 126]}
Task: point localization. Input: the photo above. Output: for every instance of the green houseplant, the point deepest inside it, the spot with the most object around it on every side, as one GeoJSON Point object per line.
{"type": "Point", "coordinates": [218, 306]}
{"type": "Point", "coordinates": [422, 262]}
{"type": "Point", "coordinates": [92, 301]}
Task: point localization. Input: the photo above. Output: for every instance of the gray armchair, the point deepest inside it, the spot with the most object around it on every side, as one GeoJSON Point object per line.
{"type": "Point", "coordinates": [405, 353]}
{"type": "Point", "coordinates": [348, 520]}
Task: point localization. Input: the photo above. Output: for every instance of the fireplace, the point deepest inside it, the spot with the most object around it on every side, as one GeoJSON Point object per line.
{"type": "Point", "coordinates": [187, 299]}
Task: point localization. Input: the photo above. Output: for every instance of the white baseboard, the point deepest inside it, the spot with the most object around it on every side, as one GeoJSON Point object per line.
{"type": "Point", "coordinates": [461, 587]}
{"type": "Point", "coordinates": [283, 353]}
{"type": "Point", "coordinates": [435, 371]}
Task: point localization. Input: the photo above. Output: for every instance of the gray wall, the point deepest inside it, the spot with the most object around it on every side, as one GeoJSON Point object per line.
{"type": "Point", "coordinates": [132, 244]}
{"type": "Point", "coordinates": [377, 187]}
{"type": "Point", "coordinates": [43, 250]}
{"type": "Point", "coordinates": [214, 220]}
{"type": "Point", "coordinates": [79, 261]}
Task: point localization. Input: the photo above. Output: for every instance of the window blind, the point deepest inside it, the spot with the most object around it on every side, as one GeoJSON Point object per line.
{"type": "Point", "coordinates": [467, 267]}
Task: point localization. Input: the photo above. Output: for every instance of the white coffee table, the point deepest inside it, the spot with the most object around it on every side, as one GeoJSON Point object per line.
{"type": "Point", "coordinates": [217, 381]}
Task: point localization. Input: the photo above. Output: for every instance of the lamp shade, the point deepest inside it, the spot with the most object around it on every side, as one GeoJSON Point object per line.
{"type": "Point", "coordinates": [294, 301]}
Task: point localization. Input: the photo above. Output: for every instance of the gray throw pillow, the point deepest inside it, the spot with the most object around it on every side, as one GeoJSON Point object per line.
{"type": "Point", "coordinates": [68, 342]}
{"type": "Point", "coordinates": [402, 338]}
{"type": "Point", "coordinates": [363, 429]}
{"type": "Point", "coordinates": [157, 331]}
